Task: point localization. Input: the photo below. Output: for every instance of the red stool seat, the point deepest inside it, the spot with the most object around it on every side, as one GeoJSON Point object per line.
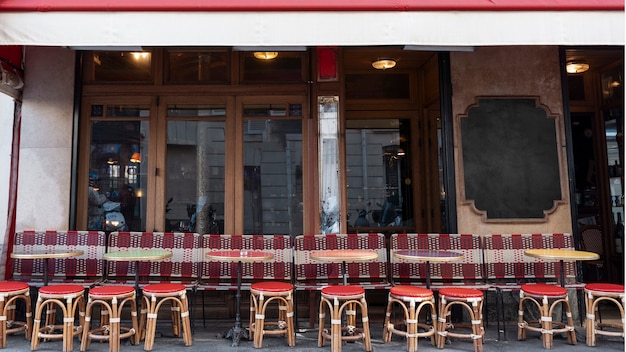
{"type": "Point", "coordinates": [411, 291]}
{"type": "Point", "coordinates": [460, 292]}
{"type": "Point", "coordinates": [10, 293]}
{"type": "Point", "coordinates": [597, 294]}
{"type": "Point", "coordinates": [544, 290]}
{"type": "Point", "coordinates": [272, 286]}
{"type": "Point", "coordinates": [164, 288]}
{"type": "Point", "coordinates": [343, 290]}
{"type": "Point", "coordinates": [61, 289]}
{"type": "Point", "coordinates": [546, 298]}
{"type": "Point", "coordinates": [154, 296]}
{"type": "Point", "coordinates": [275, 293]}
{"type": "Point", "coordinates": [604, 287]}
{"type": "Point", "coordinates": [10, 286]}
{"type": "Point", "coordinates": [114, 290]}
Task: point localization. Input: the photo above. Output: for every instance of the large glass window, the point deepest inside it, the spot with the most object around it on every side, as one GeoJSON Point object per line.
{"type": "Point", "coordinates": [272, 163]}
{"type": "Point", "coordinates": [378, 173]}
{"type": "Point", "coordinates": [195, 168]}
{"type": "Point", "coordinates": [117, 176]}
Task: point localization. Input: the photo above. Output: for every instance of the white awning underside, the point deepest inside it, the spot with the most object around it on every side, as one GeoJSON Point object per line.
{"type": "Point", "coordinates": [449, 28]}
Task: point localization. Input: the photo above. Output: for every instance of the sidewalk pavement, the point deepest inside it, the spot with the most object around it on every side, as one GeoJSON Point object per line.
{"type": "Point", "coordinates": [210, 338]}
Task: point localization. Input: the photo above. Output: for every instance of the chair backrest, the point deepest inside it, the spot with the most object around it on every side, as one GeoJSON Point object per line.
{"type": "Point", "coordinates": [591, 236]}
{"type": "Point", "coordinates": [89, 265]}
{"type": "Point", "coordinates": [307, 269]}
{"type": "Point", "coordinates": [185, 248]}
{"type": "Point", "coordinates": [505, 258]}
{"type": "Point", "coordinates": [279, 268]}
{"type": "Point", "coordinates": [469, 269]}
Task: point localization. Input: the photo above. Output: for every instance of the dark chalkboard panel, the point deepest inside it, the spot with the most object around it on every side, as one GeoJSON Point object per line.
{"type": "Point", "coordinates": [510, 158]}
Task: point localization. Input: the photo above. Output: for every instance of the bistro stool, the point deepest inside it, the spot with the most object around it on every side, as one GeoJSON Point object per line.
{"type": "Point", "coordinates": [70, 299]}
{"type": "Point", "coordinates": [261, 295]}
{"type": "Point", "coordinates": [340, 299]}
{"type": "Point", "coordinates": [546, 297]}
{"type": "Point", "coordinates": [153, 297]}
{"type": "Point", "coordinates": [111, 300]}
{"type": "Point", "coordinates": [596, 293]}
{"type": "Point", "coordinates": [472, 301]}
{"type": "Point", "coordinates": [417, 298]}
{"type": "Point", "coordinates": [10, 293]}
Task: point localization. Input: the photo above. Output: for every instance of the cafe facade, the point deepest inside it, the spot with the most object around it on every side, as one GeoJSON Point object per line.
{"type": "Point", "coordinates": [306, 118]}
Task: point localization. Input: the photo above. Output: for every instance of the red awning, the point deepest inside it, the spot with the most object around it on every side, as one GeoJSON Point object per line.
{"type": "Point", "coordinates": [310, 5]}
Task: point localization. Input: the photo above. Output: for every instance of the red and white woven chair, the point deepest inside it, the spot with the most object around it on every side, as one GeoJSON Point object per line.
{"type": "Point", "coordinates": [222, 276]}
{"type": "Point", "coordinates": [599, 293]}
{"type": "Point", "coordinates": [86, 270]}
{"type": "Point", "coordinates": [507, 268]}
{"type": "Point", "coordinates": [312, 276]}
{"type": "Point", "coordinates": [467, 273]}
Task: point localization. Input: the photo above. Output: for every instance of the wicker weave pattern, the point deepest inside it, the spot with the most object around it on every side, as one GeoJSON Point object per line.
{"type": "Point", "coordinates": [223, 275]}
{"type": "Point", "coordinates": [181, 267]}
{"type": "Point", "coordinates": [470, 269]}
{"type": "Point", "coordinates": [86, 269]}
{"type": "Point", "coordinates": [371, 274]}
{"type": "Point", "coordinates": [505, 259]}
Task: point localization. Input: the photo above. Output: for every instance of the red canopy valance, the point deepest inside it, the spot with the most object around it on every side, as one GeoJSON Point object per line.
{"type": "Point", "coordinates": [310, 5]}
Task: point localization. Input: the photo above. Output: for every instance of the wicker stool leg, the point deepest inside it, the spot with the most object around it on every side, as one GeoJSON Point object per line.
{"type": "Point", "coordinates": [321, 340]}
{"type": "Point", "coordinates": [259, 322]}
{"type": "Point", "coordinates": [367, 342]}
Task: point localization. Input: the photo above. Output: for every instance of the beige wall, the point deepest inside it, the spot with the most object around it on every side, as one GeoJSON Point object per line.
{"type": "Point", "coordinates": [46, 139]}
{"type": "Point", "coordinates": [528, 71]}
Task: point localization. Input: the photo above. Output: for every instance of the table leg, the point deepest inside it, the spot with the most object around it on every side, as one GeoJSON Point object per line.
{"type": "Point", "coordinates": [45, 271]}
{"type": "Point", "coordinates": [429, 320]}
{"type": "Point", "coordinates": [562, 268]}
{"type": "Point", "coordinates": [237, 332]}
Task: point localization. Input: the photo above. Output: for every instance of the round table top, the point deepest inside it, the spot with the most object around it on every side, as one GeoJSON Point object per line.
{"type": "Point", "coordinates": [561, 254]}
{"type": "Point", "coordinates": [429, 255]}
{"type": "Point", "coordinates": [344, 255]}
{"type": "Point", "coordinates": [240, 255]}
{"type": "Point", "coordinates": [48, 254]}
{"type": "Point", "coordinates": [138, 254]}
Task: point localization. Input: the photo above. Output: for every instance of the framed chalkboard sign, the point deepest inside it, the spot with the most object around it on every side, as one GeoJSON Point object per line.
{"type": "Point", "coordinates": [510, 158]}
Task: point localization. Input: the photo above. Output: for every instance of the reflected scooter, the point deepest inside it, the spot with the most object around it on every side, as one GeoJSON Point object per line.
{"type": "Point", "coordinates": [113, 218]}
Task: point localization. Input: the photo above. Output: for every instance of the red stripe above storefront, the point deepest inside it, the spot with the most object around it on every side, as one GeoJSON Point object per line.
{"type": "Point", "coordinates": [310, 5]}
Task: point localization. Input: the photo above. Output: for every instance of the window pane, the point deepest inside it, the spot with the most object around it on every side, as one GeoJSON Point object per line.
{"type": "Point", "coordinates": [378, 173]}
{"type": "Point", "coordinates": [197, 67]}
{"type": "Point", "coordinates": [286, 67]}
{"type": "Point", "coordinates": [195, 176]}
{"type": "Point", "coordinates": [122, 66]}
{"type": "Point", "coordinates": [273, 177]}
{"type": "Point", "coordinates": [117, 175]}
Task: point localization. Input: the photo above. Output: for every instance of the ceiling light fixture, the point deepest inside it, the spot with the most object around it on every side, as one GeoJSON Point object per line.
{"type": "Point", "coordinates": [135, 158]}
{"type": "Point", "coordinates": [266, 55]}
{"type": "Point", "coordinates": [577, 66]}
{"type": "Point", "coordinates": [383, 63]}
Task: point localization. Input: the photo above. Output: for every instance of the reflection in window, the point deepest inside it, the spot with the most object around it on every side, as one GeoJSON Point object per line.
{"type": "Point", "coordinates": [273, 177]}
{"type": "Point", "coordinates": [121, 66]}
{"type": "Point", "coordinates": [197, 66]}
{"type": "Point", "coordinates": [117, 177]}
{"type": "Point", "coordinates": [378, 174]}
{"type": "Point", "coordinates": [195, 176]}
